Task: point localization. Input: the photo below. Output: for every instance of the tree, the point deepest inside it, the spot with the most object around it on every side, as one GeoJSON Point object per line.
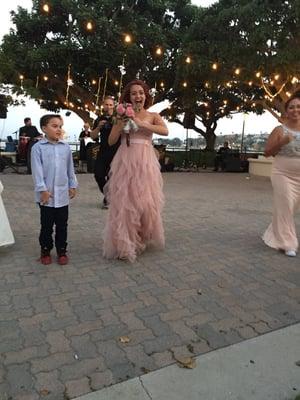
{"type": "Point", "coordinates": [70, 54]}
{"type": "Point", "coordinates": [238, 56]}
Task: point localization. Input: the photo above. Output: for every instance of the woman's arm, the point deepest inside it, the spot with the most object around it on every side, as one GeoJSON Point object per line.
{"type": "Point", "coordinates": [157, 126]}
{"type": "Point", "coordinates": [115, 132]}
{"type": "Point", "coordinates": [276, 140]}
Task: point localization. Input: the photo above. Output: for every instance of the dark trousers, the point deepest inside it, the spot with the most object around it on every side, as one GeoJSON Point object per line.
{"type": "Point", "coordinates": [220, 161]}
{"type": "Point", "coordinates": [51, 216]}
{"type": "Point", "coordinates": [102, 166]}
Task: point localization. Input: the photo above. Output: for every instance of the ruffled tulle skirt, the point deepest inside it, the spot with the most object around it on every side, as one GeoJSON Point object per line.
{"type": "Point", "coordinates": [135, 197]}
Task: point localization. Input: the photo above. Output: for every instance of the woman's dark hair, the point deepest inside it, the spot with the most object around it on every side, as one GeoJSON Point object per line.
{"type": "Point", "coordinates": [295, 96]}
{"type": "Point", "coordinates": [125, 97]}
{"type": "Point", "coordinates": [46, 118]}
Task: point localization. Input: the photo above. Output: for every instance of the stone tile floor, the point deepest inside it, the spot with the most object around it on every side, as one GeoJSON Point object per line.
{"type": "Point", "coordinates": [215, 284]}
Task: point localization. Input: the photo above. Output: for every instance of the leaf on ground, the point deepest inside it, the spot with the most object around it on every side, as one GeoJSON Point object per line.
{"type": "Point", "coordinates": [44, 392]}
{"type": "Point", "coordinates": [124, 339]}
{"type": "Point", "coordinates": [186, 362]}
{"type": "Point", "coordinates": [297, 363]}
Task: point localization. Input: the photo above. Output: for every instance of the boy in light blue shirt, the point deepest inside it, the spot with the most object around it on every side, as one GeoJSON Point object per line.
{"type": "Point", "coordinates": [54, 184]}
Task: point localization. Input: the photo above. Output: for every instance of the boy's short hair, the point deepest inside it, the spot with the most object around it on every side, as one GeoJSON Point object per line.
{"type": "Point", "coordinates": [46, 118]}
{"type": "Point", "coordinates": [27, 119]}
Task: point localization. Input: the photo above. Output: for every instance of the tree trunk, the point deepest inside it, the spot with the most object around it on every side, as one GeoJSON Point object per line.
{"type": "Point", "coordinates": [210, 138]}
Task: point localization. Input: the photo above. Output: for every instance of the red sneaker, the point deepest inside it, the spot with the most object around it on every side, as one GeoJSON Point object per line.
{"type": "Point", "coordinates": [46, 259]}
{"type": "Point", "coordinates": [63, 259]}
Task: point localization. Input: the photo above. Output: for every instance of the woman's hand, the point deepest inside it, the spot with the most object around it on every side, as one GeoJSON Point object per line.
{"type": "Point", "coordinates": [288, 138]}
{"type": "Point", "coordinates": [142, 124]}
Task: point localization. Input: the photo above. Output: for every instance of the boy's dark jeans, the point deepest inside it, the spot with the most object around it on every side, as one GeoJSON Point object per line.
{"type": "Point", "coordinates": [51, 216]}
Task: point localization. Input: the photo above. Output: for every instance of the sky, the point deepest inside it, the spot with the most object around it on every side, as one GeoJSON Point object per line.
{"type": "Point", "coordinates": [73, 124]}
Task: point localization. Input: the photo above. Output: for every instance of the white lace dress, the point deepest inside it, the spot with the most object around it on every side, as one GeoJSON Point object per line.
{"type": "Point", "coordinates": [6, 235]}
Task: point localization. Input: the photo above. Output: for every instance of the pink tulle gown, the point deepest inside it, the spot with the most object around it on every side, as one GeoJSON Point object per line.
{"type": "Point", "coordinates": [135, 197]}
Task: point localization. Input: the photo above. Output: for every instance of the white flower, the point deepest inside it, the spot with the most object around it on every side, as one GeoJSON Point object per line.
{"type": "Point", "coordinates": [122, 69]}
{"type": "Point", "coordinates": [152, 92]}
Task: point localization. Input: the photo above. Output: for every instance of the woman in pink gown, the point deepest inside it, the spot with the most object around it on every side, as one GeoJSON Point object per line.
{"type": "Point", "coordinates": [284, 144]}
{"type": "Point", "coordinates": [134, 190]}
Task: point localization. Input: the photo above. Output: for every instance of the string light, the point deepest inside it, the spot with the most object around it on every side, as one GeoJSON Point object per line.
{"type": "Point", "coordinates": [98, 90]}
{"type": "Point", "coordinates": [215, 66]}
{"type": "Point", "coordinates": [89, 26]}
{"type": "Point", "coordinates": [188, 60]}
{"type": "Point", "coordinates": [288, 94]}
{"type": "Point", "coordinates": [258, 74]}
{"type": "Point", "coordinates": [162, 84]}
{"type": "Point", "coordinates": [206, 84]}
{"type": "Point", "coordinates": [294, 80]}
{"type": "Point", "coordinates": [276, 77]}
{"type": "Point", "coordinates": [116, 83]}
{"type": "Point", "coordinates": [105, 83]}
{"type": "Point", "coordinates": [158, 51]}
{"type": "Point", "coordinates": [45, 78]}
{"type": "Point", "coordinates": [250, 83]}
{"type": "Point", "coordinates": [94, 82]}
{"type": "Point", "coordinates": [21, 77]}
{"type": "Point", "coordinates": [237, 71]}
{"type": "Point", "coordinates": [46, 7]}
{"type": "Point", "coordinates": [184, 84]}
{"type": "Point", "coordinates": [127, 38]}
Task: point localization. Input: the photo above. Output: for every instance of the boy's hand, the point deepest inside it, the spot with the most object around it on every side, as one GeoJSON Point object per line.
{"type": "Point", "coordinates": [72, 193]}
{"type": "Point", "coordinates": [45, 196]}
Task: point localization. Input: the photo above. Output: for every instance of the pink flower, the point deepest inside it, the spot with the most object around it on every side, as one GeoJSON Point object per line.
{"type": "Point", "coordinates": [129, 111]}
{"type": "Point", "coordinates": [120, 109]}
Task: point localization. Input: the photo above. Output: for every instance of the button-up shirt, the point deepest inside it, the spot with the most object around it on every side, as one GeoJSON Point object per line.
{"type": "Point", "coordinates": [53, 171]}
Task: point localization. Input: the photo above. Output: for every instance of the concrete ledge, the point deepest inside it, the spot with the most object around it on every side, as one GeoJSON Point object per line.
{"type": "Point", "coordinates": [265, 367]}
{"type": "Point", "coordinates": [261, 166]}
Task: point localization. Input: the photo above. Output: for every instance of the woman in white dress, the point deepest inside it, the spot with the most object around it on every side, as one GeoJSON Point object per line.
{"type": "Point", "coordinates": [284, 144]}
{"type": "Point", "coordinates": [6, 235]}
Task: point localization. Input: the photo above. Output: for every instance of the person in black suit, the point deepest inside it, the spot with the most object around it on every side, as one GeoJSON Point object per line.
{"type": "Point", "coordinates": [221, 156]}
{"type": "Point", "coordinates": [101, 130]}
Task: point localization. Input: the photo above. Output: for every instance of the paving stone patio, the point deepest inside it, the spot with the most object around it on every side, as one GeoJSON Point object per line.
{"type": "Point", "coordinates": [215, 284]}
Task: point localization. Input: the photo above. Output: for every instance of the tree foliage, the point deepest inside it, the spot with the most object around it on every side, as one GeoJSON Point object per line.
{"type": "Point", "coordinates": [228, 44]}
{"type": "Point", "coordinates": [45, 43]}
{"type": "Point", "coordinates": [241, 37]}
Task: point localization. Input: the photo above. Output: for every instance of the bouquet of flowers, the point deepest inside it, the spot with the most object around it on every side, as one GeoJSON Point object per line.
{"type": "Point", "coordinates": [126, 113]}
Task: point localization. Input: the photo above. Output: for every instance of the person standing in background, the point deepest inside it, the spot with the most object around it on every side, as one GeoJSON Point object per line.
{"type": "Point", "coordinates": [33, 135]}
{"type": "Point", "coordinates": [102, 128]}
{"type": "Point", "coordinates": [83, 138]}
